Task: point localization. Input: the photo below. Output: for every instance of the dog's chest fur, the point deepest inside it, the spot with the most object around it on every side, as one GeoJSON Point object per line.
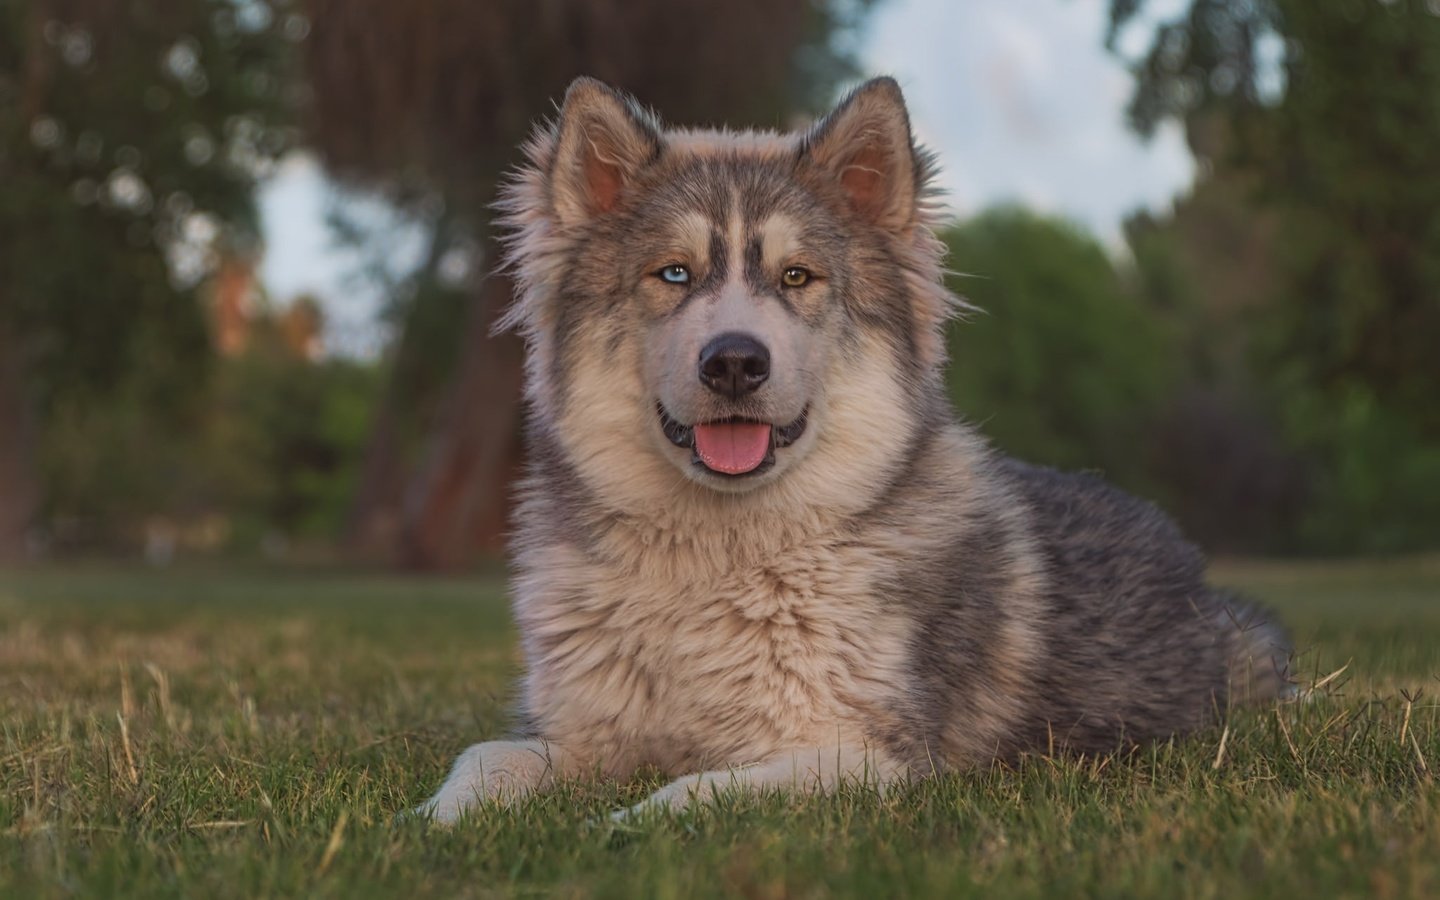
{"type": "Point", "coordinates": [662, 656]}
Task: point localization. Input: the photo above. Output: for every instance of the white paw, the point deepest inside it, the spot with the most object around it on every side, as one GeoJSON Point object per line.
{"type": "Point", "coordinates": [642, 810]}
{"type": "Point", "coordinates": [645, 810]}
{"type": "Point", "coordinates": [494, 772]}
{"type": "Point", "coordinates": [447, 806]}
{"type": "Point", "coordinates": [686, 793]}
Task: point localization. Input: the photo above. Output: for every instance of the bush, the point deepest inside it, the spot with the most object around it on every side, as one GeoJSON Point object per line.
{"type": "Point", "coordinates": [1375, 478]}
{"type": "Point", "coordinates": [272, 448]}
{"type": "Point", "coordinates": [1061, 365]}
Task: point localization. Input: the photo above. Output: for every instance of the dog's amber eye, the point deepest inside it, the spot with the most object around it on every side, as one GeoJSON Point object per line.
{"type": "Point", "coordinates": [676, 274]}
{"type": "Point", "coordinates": [794, 277]}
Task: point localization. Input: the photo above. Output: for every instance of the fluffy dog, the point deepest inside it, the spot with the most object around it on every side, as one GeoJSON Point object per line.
{"type": "Point", "coordinates": [755, 547]}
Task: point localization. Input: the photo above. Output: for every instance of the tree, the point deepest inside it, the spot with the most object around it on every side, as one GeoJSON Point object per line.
{"type": "Point", "coordinates": [1330, 112]}
{"type": "Point", "coordinates": [19, 493]}
{"type": "Point", "coordinates": [130, 134]}
{"type": "Point", "coordinates": [1061, 364]}
{"type": "Point", "coordinates": [1204, 68]}
{"type": "Point", "coordinates": [428, 102]}
{"type": "Point", "coordinates": [130, 141]}
{"type": "Point", "coordinates": [1206, 269]}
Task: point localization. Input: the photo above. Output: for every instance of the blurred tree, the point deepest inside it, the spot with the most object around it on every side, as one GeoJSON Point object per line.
{"type": "Point", "coordinates": [19, 492]}
{"type": "Point", "coordinates": [1062, 365]}
{"type": "Point", "coordinates": [287, 431]}
{"type": "Point", "coordinates": [1216, 452]}
{"type": "Point", "coordinates": [427, 102]}
{"type": "Point", "coordinates": [270, 454]}
{"type": "Point", "coordinates": [1330, 112]}
{"type": "Point", "coordinates": [131, 136]}
{"type": "Point", "coordinates": [1206, 68]}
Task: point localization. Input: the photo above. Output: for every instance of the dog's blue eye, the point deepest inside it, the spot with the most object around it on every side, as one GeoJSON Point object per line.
{"type": "Point", "coordinates": [675, 274]}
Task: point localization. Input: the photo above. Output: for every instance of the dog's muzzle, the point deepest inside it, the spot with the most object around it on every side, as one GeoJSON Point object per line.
{"type": "Point", "coordinates": [732, 447]}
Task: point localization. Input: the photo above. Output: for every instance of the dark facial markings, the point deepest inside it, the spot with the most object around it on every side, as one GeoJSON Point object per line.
{"type": "Point", "coordinates": [759, 280]}
{"type": "Point", "coordinates": [719, 261]}
{"type": "Point", "coordinates": [765, 196]}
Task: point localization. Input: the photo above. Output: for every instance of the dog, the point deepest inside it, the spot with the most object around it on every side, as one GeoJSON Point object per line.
{"type": "Point", "coordinates": [755, 548]}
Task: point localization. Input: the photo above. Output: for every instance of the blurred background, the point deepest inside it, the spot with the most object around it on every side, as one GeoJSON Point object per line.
{"type": "Point", "coordinates": [244, 308]}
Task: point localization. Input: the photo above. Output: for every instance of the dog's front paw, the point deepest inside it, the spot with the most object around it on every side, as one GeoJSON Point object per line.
{"type": "Point", "coordinates": [692, 791]}
{"type": "Point", "coordinates": [494, 772]}
{"type": "Point", "coordinates": [651, 806]}
{"type": "Point", "coordinates": [448, 805]}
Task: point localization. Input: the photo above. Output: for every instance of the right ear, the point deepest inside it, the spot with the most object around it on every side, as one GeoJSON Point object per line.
{"type": "Point", "coordinates": [867, 146]}
{"type": "Point", "coordinates": [602, 141]}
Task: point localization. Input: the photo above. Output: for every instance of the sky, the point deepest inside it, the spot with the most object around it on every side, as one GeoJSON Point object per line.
{"type": "Point", "coordinates": [1023, 104]}
{"type": "Point", "coordinates": [1019, 98]}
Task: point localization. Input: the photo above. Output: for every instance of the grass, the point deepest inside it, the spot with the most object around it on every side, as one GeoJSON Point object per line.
{"type": "Point", "coordinates": [221, 732]}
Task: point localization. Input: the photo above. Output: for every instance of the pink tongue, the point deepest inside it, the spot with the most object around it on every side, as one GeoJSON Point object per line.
{"type": "Point", "coordinates": [732, 447]}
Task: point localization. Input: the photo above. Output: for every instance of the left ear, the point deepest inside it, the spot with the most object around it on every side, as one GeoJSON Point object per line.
{"type": "Point", "coordinates": [866, 144]}
{"type": "Point", "coordinates": [602, 140]}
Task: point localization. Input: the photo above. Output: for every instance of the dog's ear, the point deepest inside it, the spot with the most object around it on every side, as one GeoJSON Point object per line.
{"type": "Point", "coordinates": [603, 139]}
{"type": "Point", "coordinates": [866, 144]}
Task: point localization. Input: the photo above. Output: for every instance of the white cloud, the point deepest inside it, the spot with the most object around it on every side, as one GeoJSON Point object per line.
{"type": "Point", "coordinates": [302, 256]}
{"type": "Point", "coordinates": [1021, 96]}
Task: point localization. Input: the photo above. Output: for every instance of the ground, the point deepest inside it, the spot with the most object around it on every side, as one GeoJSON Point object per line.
{"type": "Point", "coordinates": [216, 732]}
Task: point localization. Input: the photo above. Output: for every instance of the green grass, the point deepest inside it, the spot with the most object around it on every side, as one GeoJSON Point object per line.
{"type": "Point", "coordinates": [252, 733]}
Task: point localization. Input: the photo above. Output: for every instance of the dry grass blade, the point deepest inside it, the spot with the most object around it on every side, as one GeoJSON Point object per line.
{"type": "Point", "coordinates": [1220, 753]}
{"type": "Point", "coordinates": [1285, 730]}
{"type": "Point", "coordinates": [131, 770]}
{"type": "Point", "coordinates": [1331, 677]}
{"type": "Point", "coordinates": [337, 840]}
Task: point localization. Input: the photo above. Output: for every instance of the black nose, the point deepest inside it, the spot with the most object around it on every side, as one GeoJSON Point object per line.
{"type": "Point", "coordinates": [734, 364]}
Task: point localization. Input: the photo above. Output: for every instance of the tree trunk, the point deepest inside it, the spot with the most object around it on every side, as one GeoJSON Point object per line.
{"type": "Point", "coordinates": [19, 488]}
{"type": "Point", "coordinates": [459, 501]}
{"type": "Point", "coordinates": [372, 527]}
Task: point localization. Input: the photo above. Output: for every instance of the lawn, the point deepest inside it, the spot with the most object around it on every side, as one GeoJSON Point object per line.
{"type": "Point", "coordinates": [251, 732]}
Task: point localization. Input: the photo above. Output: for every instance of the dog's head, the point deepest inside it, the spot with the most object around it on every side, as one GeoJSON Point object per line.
{"type": "Point", "coordinates": [756, 312]}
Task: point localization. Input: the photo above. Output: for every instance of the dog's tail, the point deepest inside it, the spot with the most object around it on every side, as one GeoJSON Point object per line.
{"type": "Point", "coordinates": [1260, 652]}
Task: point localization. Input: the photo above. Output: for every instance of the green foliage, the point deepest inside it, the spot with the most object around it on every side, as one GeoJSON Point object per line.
{"type": "Point", "coordinates": [1061, 365]}
{"type": "Point", "coordinates": [131, 138]}
{"type": "Point", "coordinates": [225, 733]}
{"type": "Point", "coordinates": [1374, 488]}
{"type": "Point", "coordinates": [1337, 187]}
{"type": "Point", "coordinates": [1353, 172]}
{"type": "Point", "coordinates": [110, 466]}
{"type": "Point", "coordinates": [1224, 465]}
{"type": "Point", "coordinates": [128, 136]}
{"type": "Point", "coordinates": [273, 446]}
{"type": "Point", "coordinates": [1204, 60]}
{"type": "Point", "coordinates": [293, 431]}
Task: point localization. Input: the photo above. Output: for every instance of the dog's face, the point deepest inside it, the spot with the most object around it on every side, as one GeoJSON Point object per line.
{"type": "Point", "coordinates": [726, 305]}
{"type": "Point", "coordinates": [738, 313]}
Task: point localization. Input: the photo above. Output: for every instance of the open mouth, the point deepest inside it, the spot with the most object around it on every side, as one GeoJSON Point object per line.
{"type": "Point", "coordinates": [732, 447]}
